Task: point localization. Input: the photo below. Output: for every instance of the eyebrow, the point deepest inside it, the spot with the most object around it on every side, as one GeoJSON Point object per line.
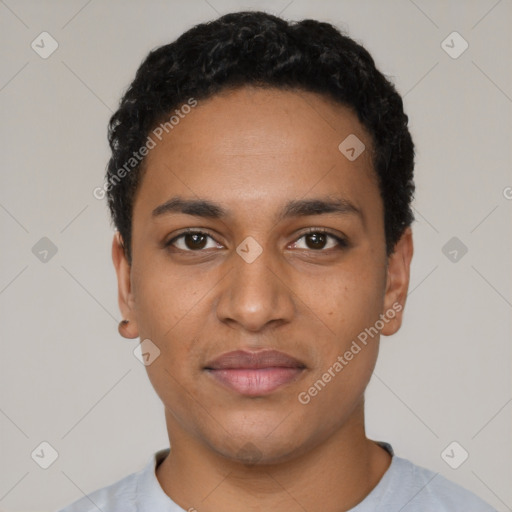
{"type": "Point", "coordinates": [295, 208]}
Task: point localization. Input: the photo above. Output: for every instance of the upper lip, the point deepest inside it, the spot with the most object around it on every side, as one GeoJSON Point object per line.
{"type": "Point", "coordinates": [248, 359]}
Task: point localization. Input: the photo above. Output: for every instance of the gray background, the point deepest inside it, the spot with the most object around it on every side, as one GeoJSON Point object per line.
{"type": "Point", "coordinates": [66, 375]}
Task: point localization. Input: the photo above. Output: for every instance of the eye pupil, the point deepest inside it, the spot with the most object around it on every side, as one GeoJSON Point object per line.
{"type": "Point", "coordinates": [195, 237]}
{"type": "Point", "coordinates": [318, 239]}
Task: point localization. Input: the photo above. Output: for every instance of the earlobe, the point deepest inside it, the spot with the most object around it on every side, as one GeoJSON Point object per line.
{"type": "Point", "coordinates": [398, 275]}
{"type": "Point", "coordinates": [128, 327]}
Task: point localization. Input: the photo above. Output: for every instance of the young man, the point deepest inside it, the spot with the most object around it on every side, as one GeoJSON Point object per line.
{"type": "Point", "coordinates": [261, 182]}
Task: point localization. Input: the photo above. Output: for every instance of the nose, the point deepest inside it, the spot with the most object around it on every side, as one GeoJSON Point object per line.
{"type": "Point", "coordinates": [256, 294]}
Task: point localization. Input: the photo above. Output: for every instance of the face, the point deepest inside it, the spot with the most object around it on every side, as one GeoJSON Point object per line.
{"type": "Point", "coordinates": [286, 252]}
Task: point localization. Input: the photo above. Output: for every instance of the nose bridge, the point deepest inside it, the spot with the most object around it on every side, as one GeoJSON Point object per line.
{"type": "Point", "coordinates": [255, 293]}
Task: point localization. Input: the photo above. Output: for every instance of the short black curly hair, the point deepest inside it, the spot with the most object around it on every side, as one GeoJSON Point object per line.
{"type": "Point", "coordinates": [257, 48]}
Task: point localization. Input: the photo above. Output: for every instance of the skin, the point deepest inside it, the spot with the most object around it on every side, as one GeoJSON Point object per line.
{"type": "Point", "coordinates": [252, 150]}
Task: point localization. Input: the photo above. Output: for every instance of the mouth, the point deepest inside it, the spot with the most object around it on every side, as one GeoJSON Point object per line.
{"type": "Point", "coordinates": [255, 373]}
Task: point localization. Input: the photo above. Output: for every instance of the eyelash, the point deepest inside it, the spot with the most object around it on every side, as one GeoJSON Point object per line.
{"type": "Point", "coordinates": [342, 243]}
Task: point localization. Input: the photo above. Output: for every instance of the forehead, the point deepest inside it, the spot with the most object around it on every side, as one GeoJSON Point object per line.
{"type": "Point", "coordinates": [254, 147]}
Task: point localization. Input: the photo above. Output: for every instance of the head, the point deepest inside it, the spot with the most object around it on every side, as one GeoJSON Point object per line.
{"type": "Point", "coordinates": [287, 154]}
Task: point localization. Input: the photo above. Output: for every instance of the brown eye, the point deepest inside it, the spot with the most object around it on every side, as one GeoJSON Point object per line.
{"type": "Point", "coordinates": [195, 241]}
{"type": "Point", "coordinates": [321, 241]}
{"type": "Point", "coordinates": [316, 240]}
{"type": "Point", "coordinates": [191, 241]}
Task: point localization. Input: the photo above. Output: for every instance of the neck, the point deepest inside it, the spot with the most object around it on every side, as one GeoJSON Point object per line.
{"type": "Point", "coordinates": [342, 471]}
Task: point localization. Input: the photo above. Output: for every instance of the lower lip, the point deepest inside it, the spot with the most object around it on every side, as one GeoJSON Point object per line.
{"type": "Point", "coordinates": [256, 381]}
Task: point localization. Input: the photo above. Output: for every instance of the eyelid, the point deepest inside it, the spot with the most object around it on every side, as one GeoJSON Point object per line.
{"type": "Point", "coordinates": [340, 239]}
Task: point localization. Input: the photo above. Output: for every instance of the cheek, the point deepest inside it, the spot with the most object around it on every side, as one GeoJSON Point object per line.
{"type": "Point", "coordinates": [173, 306]}
{"type": "Point", "coordinates": [343, 309]}
{"type": "Point", "coordinates": [342, 302]}
{"type": "Point", "coordinates": [346, 345]}
{"type": "Point", "coordinates": [166, 299]}
{"type": "Point", "coordinates": [169, 311]}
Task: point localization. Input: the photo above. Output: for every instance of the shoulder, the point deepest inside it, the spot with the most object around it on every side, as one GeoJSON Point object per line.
{"type": "Point", "coordinates": [115, 497]}
{"type": "Point", "coordinates": [422, 489]}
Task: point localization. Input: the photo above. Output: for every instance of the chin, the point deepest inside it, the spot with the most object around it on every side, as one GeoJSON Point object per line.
{"type": "Point", "coordinates": [259, 446]}
{"type": "Point", "coordinates": [253, 453]}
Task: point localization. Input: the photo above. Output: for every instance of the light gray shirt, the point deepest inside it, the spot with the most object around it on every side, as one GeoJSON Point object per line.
{"type": "Point", "coordinates": [404, 487]}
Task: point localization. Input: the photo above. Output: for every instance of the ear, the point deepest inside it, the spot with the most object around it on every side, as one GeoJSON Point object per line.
{"type": "Point", "coordinates": [125, 296]}
{"type": "Point", "coordinates": [398, 274]}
